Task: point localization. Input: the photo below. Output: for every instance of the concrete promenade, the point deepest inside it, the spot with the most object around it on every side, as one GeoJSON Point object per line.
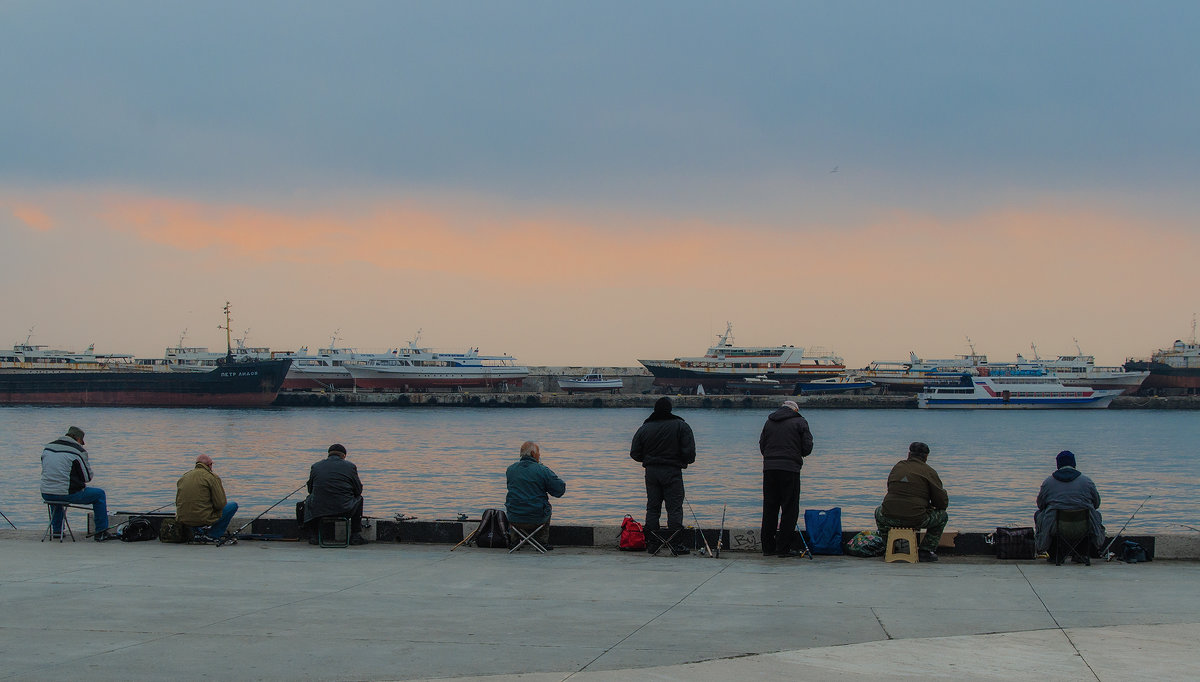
{"type": "Point", "coordinates": [387, 611]}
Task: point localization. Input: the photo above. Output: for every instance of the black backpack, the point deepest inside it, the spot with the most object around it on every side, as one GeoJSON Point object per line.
{"type": "Point", "coordinates": [493, 529]}
{"type": "Point", "coordinates": [138, 530]}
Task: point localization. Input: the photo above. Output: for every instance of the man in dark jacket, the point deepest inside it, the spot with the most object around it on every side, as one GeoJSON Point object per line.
{"type": "Point", "coordinates": [915, 499]}
{"type": "Point", "coordinates": [65, 475]}
{"type": "Point", "coordinates": [1066, 488]}
{"type": "Point", "coordinates": [529, 484]}
{"type": "Point", "coordinates": [334, 490]}
{"type": "Point", "coordinates": [665, 446]}
{"type": "Point", "coordinates": [784, 443]}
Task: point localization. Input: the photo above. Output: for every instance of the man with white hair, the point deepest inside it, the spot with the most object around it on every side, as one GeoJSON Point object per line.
{"type": "Point", "coordinates": [530, 482]}
{"type": "Point", "coordinates": [784, 443]}
{"type": "Point", "coordinates": [200, 502]}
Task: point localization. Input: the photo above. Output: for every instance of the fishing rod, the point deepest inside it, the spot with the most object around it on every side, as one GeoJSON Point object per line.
{"type": "Point", "coordinates": [232, 537]}
{"type": "Point", "coordinates": [1104, 552]}
{"type": "Point", "coordinates": [721, 533]}
{"type": "Point", "coordinates": [9, 522]}
{"type": "Point", "coordinates": [702, 537]}
{"type": "Point", "coordinates": [128, 520]}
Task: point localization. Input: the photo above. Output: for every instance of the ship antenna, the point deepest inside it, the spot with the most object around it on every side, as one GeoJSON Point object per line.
{"type": "Point", "coordinates": [726, 339]}
{"type": "Point", "coordinates": [228, 335]}
{"type": "Point", "coordinates": [1193, 329]}
{"type": "Point", "coordinates": [971, 345]}
{"type": "Point", "coordinates": [182, 336]}
{"type": "Point", "coordinates": [29, 336]}
{"type": "Point", "coordinates": [1035, 353]}
{"type": "Point", "coordinates": [333, 340]}
{"type": "Point", "coordinates": [1077, 348]}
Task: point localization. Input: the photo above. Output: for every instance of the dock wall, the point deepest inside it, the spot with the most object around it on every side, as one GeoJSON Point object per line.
{"type": "Point", "coordinates": [447, 532]}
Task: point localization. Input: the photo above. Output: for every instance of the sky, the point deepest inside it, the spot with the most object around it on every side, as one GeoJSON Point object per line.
{"type": "Point", "coordinates": [589, 184]}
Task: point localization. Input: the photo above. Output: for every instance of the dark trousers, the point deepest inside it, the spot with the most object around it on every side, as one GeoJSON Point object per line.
{"type": "Point", "coordinates": [306, 530]}
{"type": "Point", "coordinates": [781, 509]}
{"type": "Point", "coordinates": [664, 484]}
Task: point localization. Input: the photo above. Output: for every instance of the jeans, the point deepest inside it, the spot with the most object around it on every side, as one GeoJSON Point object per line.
{"type": "Point", "coordinates": [781, 509]}
{"type": "Point", "coordinates": [218, 528]}
{"type": "Point", "coordinates": [92, 496]}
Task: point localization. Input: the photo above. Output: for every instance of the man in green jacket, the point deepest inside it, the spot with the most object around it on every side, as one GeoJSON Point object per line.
{"type": "Point", "coordinates": [529, 484]}
{"type": "Point", "coordinates": [915, 499]}
{"type": "Point", "coordinates": [200, 502]}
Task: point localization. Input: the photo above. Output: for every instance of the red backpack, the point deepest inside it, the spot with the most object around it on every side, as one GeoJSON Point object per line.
{"type": "Point", "coordinates": [633, 538]}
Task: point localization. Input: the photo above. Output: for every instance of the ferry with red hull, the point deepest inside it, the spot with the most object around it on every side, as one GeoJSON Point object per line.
{"type": "Point", "coordinates": [725, 362]}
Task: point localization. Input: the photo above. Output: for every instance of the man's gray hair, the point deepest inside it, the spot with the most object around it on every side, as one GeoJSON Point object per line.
{"type": "Point", "coordinates": [528, 448]}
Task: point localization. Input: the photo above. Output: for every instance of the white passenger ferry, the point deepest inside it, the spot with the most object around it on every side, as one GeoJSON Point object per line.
{"type": "Point", "coordinates": [1014, 393]}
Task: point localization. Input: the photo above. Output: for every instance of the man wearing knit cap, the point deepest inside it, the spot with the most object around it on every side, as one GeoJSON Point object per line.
{"type": "Point", "coordinates": [334, 490]}
{"type": "Point", "coordinates": [665, 446]}
{"type": "Point", "coordinates": [784, 443]}
{"type": "Point", "coordinates": [65, 475]}
{"type": "Point", "coordinates": [915, 499]}
{"type": "Point", "coordinates": [1066, 488]}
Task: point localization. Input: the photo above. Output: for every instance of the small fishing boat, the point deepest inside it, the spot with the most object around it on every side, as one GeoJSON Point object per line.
{"type": "Point", "coordinates": [1014, 393]}
{"type": "Point", "coordinates": [840, 384]}
{"type": "Point", "coordinates": [761, 385]}
{"type": "Point", "coordinates": [590, 383]}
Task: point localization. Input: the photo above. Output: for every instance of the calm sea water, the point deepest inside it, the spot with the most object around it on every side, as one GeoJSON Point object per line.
{"type": "Point", "coordinates": [437, 462]}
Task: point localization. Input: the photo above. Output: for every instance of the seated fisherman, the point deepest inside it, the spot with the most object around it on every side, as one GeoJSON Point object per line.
{"type": "Point", "coordinates": [334, 489]}
{"type": "Point", "coordinates": [1066, 488]}
{"type": "Point", "coordinates": [65, 475]}
{"type": "Point", "coordinates": [200, 501]}
{"type": "Point", "coordinates": [529, 484]}
{"type": "Point", "coordinates": [915, 499]}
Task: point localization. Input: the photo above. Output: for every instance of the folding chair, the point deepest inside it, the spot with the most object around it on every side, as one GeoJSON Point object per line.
{"type": "Point", "coordinates": [668, 541]}
{"type": "Point", "coordinates": [1072, 536]}
{"type": "Point", "coordinates": [66, 524]}
{"type": "Point", "coordinates": [527, 538]}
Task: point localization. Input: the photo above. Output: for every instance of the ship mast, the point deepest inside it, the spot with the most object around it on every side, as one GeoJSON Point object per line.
{"type": "Point", "coordinates": [228, 335]}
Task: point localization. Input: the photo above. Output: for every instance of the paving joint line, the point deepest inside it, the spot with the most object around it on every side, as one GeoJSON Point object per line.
{"type": "Point", "coordinates": [1057, 624]}
{"type": "Point", "coordinates": [648, 622]}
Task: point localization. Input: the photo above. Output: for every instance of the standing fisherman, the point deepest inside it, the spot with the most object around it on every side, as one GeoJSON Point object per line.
{"type": "Point", "coordinates": [665, 446]}
{"type": "Point", "coordinates": [784, 443]}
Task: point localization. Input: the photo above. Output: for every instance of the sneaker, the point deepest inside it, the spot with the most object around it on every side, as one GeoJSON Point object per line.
{"type": "Point", "coordinates": [202, 539]}
{"type": "Point", "coordinates": [104, 536]}
{"type": "Point", "coordinates": [926, 556]}
{"type": "Point", "coordinates": [790, 553]}
{"type": "Point", "coordinates": [357, 539]}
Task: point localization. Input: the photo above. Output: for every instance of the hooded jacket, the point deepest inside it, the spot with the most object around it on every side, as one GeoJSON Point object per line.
{"type": "Point", "coordinates": [529, 483]}
{"type": "Point", "coordinates": [65, 468]}
{"type": "Point", "coordinates": [1066, 488]}
{"type": "Point", "coordinates": [199, 497]}
{"type": "Point", "coordinates": [913, 488]}
{"type": "Point", "coordinates": [664, 440]}
{"type": "Point", "coordinates": [785, 441]}
{"type": "Point", "coordinates": [333, 488]}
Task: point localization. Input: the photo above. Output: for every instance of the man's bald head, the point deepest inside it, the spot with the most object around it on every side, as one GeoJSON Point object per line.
{"type": "Point", "coordinates": [204, 459]}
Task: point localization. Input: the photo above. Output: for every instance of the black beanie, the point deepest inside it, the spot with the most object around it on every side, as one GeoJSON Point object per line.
{"type": "Point", "coordinates": [663, 404]}
{"type": "Point", "coordinates": [1066, 458]}
{"type": "Point", "coordinates": [338, 448]}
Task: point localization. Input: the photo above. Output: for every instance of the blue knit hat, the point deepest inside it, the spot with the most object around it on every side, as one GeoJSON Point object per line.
{"type": "Point", "coordinates": [1066, 458]}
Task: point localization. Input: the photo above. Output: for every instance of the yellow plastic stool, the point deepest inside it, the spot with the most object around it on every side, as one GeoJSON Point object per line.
{"type": "Point", "coordinates": [895, 535]}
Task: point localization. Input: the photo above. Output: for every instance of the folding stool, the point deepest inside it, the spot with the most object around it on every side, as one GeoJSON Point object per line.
{"type": "Point", "coordinates": [527, 538]}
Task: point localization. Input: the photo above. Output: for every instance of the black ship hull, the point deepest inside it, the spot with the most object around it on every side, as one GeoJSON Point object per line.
{"type": "Point", "coordinates": [1163, 375]}
{"type": "Point", "coordinates": [239, 384]}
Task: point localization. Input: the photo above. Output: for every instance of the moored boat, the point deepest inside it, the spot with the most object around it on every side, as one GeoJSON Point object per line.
{"type": "Point", "coordinates": [725, 362]}
{"type": "Point", "coordinates": [414, 368]}
{"type": "Point", "coordinates": [1174, 368]}
{"type": "Point", "coordinates": [842, 384]}
{"type": "Point", "coordinates": [590, 383]}
{"type": "Point", "coordinates": [760, 385]}
{"type": "Point", "coordinates": [1014, 392]}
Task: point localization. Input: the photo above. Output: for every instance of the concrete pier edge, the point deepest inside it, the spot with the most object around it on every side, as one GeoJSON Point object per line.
{"type": "Point", "coordinates": [1185, 546]}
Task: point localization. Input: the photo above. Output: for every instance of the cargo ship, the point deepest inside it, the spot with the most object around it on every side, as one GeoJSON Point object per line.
{"type": "Point", "coordinates": [1171, 369]}
{"type": "Point", "coordinates": [725, 362]}
{"type": "Point", "coordinates": [32, 375]}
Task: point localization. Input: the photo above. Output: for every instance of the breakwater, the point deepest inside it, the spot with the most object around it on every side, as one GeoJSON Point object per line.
{"type": "Point", "coordinates": [350, 398]}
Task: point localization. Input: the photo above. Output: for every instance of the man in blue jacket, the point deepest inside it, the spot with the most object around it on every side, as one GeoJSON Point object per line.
{"type": "Point", "coordinates": [529, 484]}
